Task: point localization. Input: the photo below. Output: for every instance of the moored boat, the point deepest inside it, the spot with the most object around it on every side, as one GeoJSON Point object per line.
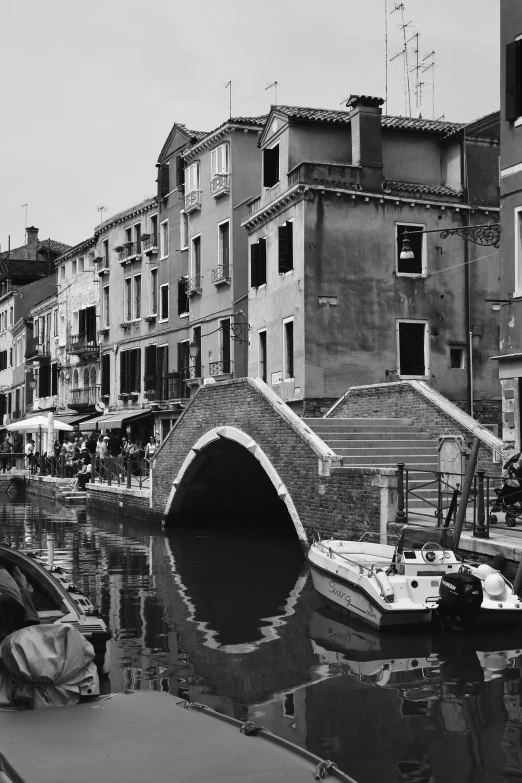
{"type": "Point", "coordinates": [416, 582]}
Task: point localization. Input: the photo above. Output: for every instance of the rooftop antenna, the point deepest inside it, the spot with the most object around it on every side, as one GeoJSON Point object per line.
{"type": "Point", "coordinates": [101, 209]}
{"type": "Point", "coordinates": [386, 55]}
{"type": "Point", "coordinates": [425, 68]}
{"type": "Point", "coordinates": [416, 68]}
{"type": "Point", "coordinates": [25, 227]}
{"type": "Point", "coordinates": [274, 85]}
{"type": "Point", "coordinates": [401, 54]}
{"type": "Point", "coordinates": [403, 26]}
{"type": "Point", "coordinates": [229, 86]}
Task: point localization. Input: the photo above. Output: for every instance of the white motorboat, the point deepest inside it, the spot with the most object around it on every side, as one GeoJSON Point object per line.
{"type": "Point", "coordinates": [416, 582]}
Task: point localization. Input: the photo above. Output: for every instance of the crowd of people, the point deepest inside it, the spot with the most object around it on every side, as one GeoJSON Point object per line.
{"type": "Point", "coordinates": [77, 453]}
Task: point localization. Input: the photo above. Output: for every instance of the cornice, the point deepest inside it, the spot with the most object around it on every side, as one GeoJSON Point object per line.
{"type": "Point", "coordinates": [121, 217]}
{"type": "Point", "coordinates": [298, 191]}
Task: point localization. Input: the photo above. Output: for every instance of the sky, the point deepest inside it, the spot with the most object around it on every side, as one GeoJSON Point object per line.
{"type": "Point", "coordinates": [90, 91]}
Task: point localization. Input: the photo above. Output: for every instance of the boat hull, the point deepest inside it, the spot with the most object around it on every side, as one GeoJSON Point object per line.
{"type": "Point", "coordinates": [346, 596]}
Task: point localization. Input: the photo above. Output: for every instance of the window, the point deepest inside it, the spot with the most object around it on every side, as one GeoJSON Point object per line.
{"type": "Point", "coordinates": [164, 180]}
{"type": "Point", "coordinates": [219, 160]}
{"type": "Point", "coordinates": [153, 292]}
{"type": "Point", "coordinates": [44, 380]}
{"type": "Point", "coordinates": [457, 358]}
{"type": "Point", "coordinates": [11, 315]}
{"type": "Point", "coordinates": [81, 265]}
{"type": "Point", "coordinates": [86, 320]}
{"type": "Point", "coordinates": [183, 230]}
{"type": "Point", "coordinates": [165, 238]}
{"type": "Point", "coordinates": [106, 375]}
{"type": "Point", "coordinates": [192, 177]}
{"type": "Point", "coordinates": [224, 248]}
{"type": "Point", "coordinates": [130, 371]}
{"type": "Point", "coordinates": [271, 166]}
{"type": "Point", "coordinates": [288, 347]}
{"type": "Point", "coordinates": [513, 103]}
{"type": "Point", "coordinates": [518, 250]}
{"type": "Point", "coordinates": [62, 272]}
{"type": "Point", "coordinates": [55, 322]}
{"type": "Point", "coordinates": [258, 263]}
{"type": "Point", "coordinates": [286, 247]}
{"type": "Point", "coordinates": [196, 257]}
{"type": "Point", "coordinates": [180, 171]}
{"type": "Point", "coordinates": [74, 267]}
{"type": "Point", "coordinates": [105, 252]}
{"type": "Point", "coordinates": [54, 379]}
{"type": "Point", "coordinates": [151, 368]}
{"type": "Point", "coordinates": [105, 306]}
{"type": "Point", "coordinates": [128, 299]}
{"type": "Point", "coordinates": [128, 235]}
{"type": "Point", "coordinates": [417, 264]}
{"type": "Point", "coordinates": [137, 297]}
{"type": "Point", "coordinates": [183, 299]}
{"type": "Point", "coordinates": [164, 302]}
{"type": "Point", "coordinates": [262, 357]}
{"type": "Point", "coordinates": [137, 237]}
{"type": "Point", "coordinates": [224, 343]}
{"type": "Point", "coordinates": [196, 335]}
{"type": "Point", "coordinates": [412, 349]}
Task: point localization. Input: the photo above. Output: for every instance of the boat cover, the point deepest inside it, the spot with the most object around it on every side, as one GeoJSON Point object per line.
{"type": "Point", "coordinates": [46, 666]}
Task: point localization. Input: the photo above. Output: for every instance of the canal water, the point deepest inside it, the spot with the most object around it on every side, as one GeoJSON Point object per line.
{"type": "Point", "coordinates": [232, 621]}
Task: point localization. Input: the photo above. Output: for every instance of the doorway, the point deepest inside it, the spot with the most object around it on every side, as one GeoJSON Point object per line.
{"type": "Point", "coordinates": [412, 354]}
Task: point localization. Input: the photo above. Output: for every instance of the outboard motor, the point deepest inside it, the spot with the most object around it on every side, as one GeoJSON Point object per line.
{"type": "Point", "coordinates": [460, 599]}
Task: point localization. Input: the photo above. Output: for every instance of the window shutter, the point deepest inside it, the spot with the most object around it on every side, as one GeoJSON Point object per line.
{"type": "Point", "coordinates": [289, 246]}
{"type": "Point", "coordinates": [123, 373]}
{"type": "Point", "coordinates": [512, 78]}
{"type": "Point", "coordinates": [106, 370]}
{"type": "Point", "coordinates": [282, 249]}
{"type": "Point", "coordinates": [254, 265]}
{"type": "Point", "coordinates": [261, 274]}
{"type": "Point", "coordinates": [164, 180]}
{"type": "Point", "coordinates": [54, 379]}
{"type": "Point", "coordinates": [137, 374]}
{"type": "Point", "coordinates": [180, 171]}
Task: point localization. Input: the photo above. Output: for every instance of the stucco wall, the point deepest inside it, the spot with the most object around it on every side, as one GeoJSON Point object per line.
{"type": "Point", "coordinates": [412, 157]}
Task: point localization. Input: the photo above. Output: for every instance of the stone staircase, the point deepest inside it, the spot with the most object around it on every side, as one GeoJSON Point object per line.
{"type": "Point", "coordinates": [382, 443]}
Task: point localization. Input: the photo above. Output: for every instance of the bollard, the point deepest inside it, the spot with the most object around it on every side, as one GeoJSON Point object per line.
{"type": "Point", "coordinates": [401, 514]}
{"type": "Point", "coordinates": [466, 487]}
{"type": "Point", "coordinates": [481, 530]}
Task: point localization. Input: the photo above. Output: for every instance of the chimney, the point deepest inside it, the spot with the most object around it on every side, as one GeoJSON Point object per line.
{"type": "Point", "coordinates": [366, 138]}
{"type": "Point", "coordinates": [32, 242]}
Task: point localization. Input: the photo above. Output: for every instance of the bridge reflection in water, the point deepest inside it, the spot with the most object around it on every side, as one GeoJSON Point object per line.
{"type": "Point", "coordinates": [232, 621]}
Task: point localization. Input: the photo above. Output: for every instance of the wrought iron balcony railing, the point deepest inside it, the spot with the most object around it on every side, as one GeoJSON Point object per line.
{"type": "Point", "coordinates": [82, 343]}
{"type": "Point", "coordinates": [194, 285]}
{"type": "Point", "coordinates": [193, 200]}
{"type": "Point", "coordinates": [129, 251]}
{"type": "Point", "coordinates": [219, 185]}
{"type": "Point", "coordinates": [193, 371]}
{"type": "Point", "coordinates": [16, 415]}
{"type": "Point", "coordinates": [177, 388]}
{"type": "Point", "coordinates": [37, 349]}
{"type": "Point", "coordinates": [149, 243]}
{"type": "Point", "coordinates": [221, 274]}
{"type": "Point", "coordinates": [83, 398]}
{"type": "Point", "coordinates": [220, 368]}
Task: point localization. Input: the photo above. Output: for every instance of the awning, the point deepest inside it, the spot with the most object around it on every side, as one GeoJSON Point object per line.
{"type": "Point", "coordinates": [110, 421]}
{"type": "Point", "coordinates": [73, 418]}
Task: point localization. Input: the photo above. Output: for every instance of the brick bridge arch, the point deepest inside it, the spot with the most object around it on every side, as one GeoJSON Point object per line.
{"type": "Point", "coordinates": [245, 417]}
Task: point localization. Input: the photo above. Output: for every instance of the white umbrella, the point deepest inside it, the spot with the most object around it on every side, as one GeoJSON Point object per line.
{"type": "Point", "coordinates": [36, 423]}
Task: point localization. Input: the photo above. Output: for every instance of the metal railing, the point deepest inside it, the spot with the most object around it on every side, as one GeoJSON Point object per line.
{"type": "Point", "coordinates": [435, 496]}
{"type": "Point", "coordinates": [80, 343]}
{"type": "Point", "coordinates": [129, 250]}
{"type": "Point", "coordinates": [194, 285]}
{"type": "Point", "coordinates": [156, 388]}
{"type": "Point", "coordinates": [221, 272]}
{"type": "Point", "coordinates": [149, 242]}
{"type": "Point", "coordinates": [219, 184]}
{"type": "Point", "coordinates": [86, 396]}
{"type": "Point", "coordinates": [130, 472]}
{"type": "Point", "coordinates": [177, 388]}
{"type": "Point", "coordinates": [338, 175]}
{"type": "Point", "coordinates": [36, 348]}
{"type": "Point", "coordinates": [220, 368]}
{"type": "Point", "coordinates": [193, 200]}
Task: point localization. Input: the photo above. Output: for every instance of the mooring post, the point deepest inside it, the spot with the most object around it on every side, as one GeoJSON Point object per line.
{"type": "Point", "coordinates": [401, 514]}
{"type": "Point", "coordinates": [439, 499]}
{"type": "Point", "coordinates": [517, 584]}
{"type": "Point", "coordinates": [481, 530]}
{"type": "Point", "coordinates": [466, 487]}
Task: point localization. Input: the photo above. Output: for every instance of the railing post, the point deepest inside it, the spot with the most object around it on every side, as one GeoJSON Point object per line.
{"type": "Point", "coordinates": [439, 499]}
{"type": "Point", "coordinates": [129, 473]}
{"type": "Point", "coordinates": [401, 514]}
{"type": "Point", "coordinates": [109, 474]}
{"type": "Point", "coordinates": [481, 530]}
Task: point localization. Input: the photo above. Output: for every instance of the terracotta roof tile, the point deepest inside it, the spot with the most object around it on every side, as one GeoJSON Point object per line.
{"type": "Point", "coordinates": [54, 246]}
{"type": "Point", "coordinates": [413, 187]}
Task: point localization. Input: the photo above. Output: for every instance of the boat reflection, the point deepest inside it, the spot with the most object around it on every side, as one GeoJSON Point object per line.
{"type": "Point", "coordinates": [237, 594]}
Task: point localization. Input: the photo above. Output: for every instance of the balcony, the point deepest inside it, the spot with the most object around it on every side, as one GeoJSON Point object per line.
{"type": "Point", "coordinates": [194, 285]}
{"type": "Point", "coordinates": [177, 388]}
{"type": "Point", "coordinates": [16, 415]}
{"type": "Point", "coordinates": [129, 252]}
{"type": "Point", "coordinates": [193, 201]}
{"type": "Point", "coordinates": [192, 375]}
{"type": "Point", "coordinates": [220, 370]}
{"type": "Point", "coordinates": [102, 265]}
{"type": "Point", "coordinates": [83, 344]}
{"type": "Point", "coordinates": [36, 350]}
{"type": "Point", "coordinates": [336, 176]}
{"type": "Point", "coordinates": [156, 388]}
{"type": "Point", "coordinates": [149, 244]}
{"type": "Point", "coordinates": [84, 398]}
{"type": "Point", "coordinates": [221, 274]}
{"type": "Point", "coordinates": [219, 185]}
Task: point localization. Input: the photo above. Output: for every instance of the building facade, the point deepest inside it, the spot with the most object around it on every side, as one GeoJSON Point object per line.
{"type": "Point", "coordinates": [331, 302]}
{"type": "Point", "coordinates": [510, 353]}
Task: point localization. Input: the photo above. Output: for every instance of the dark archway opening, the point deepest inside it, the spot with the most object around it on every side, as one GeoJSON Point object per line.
{"type": "Point", "coordinates": [225, 488]}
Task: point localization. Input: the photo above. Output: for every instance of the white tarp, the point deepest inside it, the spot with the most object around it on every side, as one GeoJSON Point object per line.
{"type": "Point", "coordinates": [46, 666]}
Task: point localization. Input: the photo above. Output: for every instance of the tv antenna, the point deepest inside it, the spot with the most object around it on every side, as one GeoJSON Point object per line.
{"type": "Point", "coordinates": [427, 67]}
{"type": "Point", "coordinates": [274, 85]}
{"type": "Point", "coordinates": [25, 227]}
{"type": "Point", "coordinates": [407, 92]}
{"type": "Point", "coordinates": [101, 209]}
{"type": "Point", "coordinates": [228, 86]}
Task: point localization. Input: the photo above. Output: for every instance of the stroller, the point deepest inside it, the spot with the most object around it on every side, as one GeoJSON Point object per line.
{"type": "Point", "coordinates": [509, 496]}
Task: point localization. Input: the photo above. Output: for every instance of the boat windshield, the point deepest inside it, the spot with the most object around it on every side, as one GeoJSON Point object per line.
{"type": "Point", "coordinates": [417, 537]}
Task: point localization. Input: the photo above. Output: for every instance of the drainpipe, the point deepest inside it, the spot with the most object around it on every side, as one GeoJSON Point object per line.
{"type": "Point", "coordinates": [467, 282]}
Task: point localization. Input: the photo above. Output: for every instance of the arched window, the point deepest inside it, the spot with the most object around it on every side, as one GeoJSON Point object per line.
{"type": "Point", "coordinates": [86, 378]}
{"type": "Point", "coordinates": [75, 379]}
{"type": "Point", "coordinates": [92, 377]}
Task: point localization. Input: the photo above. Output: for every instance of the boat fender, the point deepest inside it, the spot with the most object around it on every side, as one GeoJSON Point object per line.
{"type": "Point", "coordinates": [387, 590]}
{"type": "Point", "coordinates": [495, 586]}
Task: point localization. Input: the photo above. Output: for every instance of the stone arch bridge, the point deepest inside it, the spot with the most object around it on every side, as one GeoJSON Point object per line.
{"type": "Point", "coordinates": [238, 455]}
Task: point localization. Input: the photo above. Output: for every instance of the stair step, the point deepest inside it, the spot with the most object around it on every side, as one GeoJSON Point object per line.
{"type": "Point", "coordinates": [362, 420]}
{"type": "Point", "coordinates": [339, 426]}
{"type": "Point", "coordinates": [397, 451]}
{"type": "Point", "coordinates": [391, 437]}
{"type": "Point", "coordinates": [362, 464]}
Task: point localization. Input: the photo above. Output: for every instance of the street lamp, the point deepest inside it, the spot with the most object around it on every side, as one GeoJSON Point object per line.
{"type": "Point", "coordinates": [193, 350]}
{"type": "Point", "coordinates": [485, 234]}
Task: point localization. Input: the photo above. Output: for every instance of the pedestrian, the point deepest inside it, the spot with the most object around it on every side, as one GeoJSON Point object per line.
{"type": "Point", "coordinates": [150, 449]}
{"type": "Point", "coordinates": [84, 475]}
{"type": "Point", "coordinates": [5, 451]}
{"type": "Point", "coordinates": [133, 452]}
{"type": "Point", "coordinates": [29, 452]}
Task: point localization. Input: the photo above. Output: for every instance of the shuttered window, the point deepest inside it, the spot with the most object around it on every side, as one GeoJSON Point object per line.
{"type": "Point", "coordinates": [130, 371]}
{"type": "Point", "coordinates": [151, 367]}
{"type": "Point", "coordinates": [106, 374]}
{"type": "Point", "coordinates": [183, 299]}
{"type": "Point", "coordinates": [513, 80]}
{"type": "Point", "coordinates": [164, 180]}
{"type": "Point", "coordinates": [286, 247]}
{"type": "Point", "coordinates": [261, 275]}
{"type": "Point", "coordinates": [54, 379]}
{"type": "Point", "coordinates": [271, 166]}
{"type": "Point", "coordinates": [254, 265]}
